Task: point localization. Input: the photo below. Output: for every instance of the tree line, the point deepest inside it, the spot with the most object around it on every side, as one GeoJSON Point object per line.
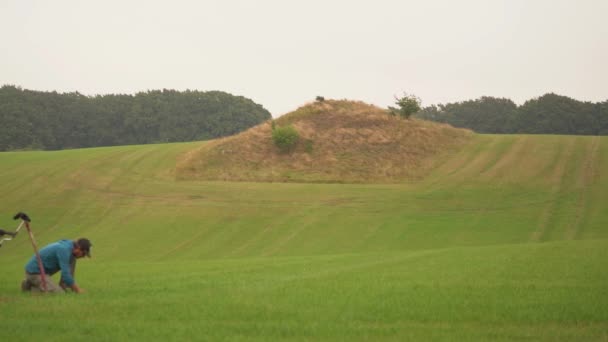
{"type": "Point", "coordinates": [52, 121]}
{"type": "Point", "coordinates": [548, 114]}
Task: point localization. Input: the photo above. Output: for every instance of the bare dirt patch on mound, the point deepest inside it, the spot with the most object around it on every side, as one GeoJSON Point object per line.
{"type": "Point", "coordinates": [340, 141]}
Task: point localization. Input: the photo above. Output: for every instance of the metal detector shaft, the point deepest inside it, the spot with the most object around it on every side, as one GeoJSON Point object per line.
{"type": "Point", "coordinates": [19, 227]}
{"type": "Point", "coordinates": [40, 266]}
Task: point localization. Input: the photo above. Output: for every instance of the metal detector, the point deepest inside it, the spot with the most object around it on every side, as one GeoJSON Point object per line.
{"type": "Point", "coordinates": [12, 235]}
{"type": "Point", "coordinates": [25, 220]}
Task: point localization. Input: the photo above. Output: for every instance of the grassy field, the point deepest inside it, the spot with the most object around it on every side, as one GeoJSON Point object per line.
{"type": "Point", "coordinates": [505, 240]}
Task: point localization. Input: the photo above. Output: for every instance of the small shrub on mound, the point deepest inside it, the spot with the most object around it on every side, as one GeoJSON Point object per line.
{"type": "Point", "coordinates": [408, 105]}
{"type": "Point", "coordinates": [285, 138]}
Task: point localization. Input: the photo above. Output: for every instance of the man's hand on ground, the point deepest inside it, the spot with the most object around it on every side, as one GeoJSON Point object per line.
{"type": "Point", "coordinates": [77, 289]}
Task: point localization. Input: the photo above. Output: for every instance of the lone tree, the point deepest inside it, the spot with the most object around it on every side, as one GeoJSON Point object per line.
{"type": "Point", "coordinates": [408, 105]}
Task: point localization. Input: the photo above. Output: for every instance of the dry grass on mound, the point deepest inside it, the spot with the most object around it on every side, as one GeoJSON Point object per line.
{"type": "Point", "coordinates": [340, 141]}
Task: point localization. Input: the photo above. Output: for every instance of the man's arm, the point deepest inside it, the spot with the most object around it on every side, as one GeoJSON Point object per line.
{"type": "Point", "coordinates": [66, 272]}
{"type": "Point", "coordinates": [72, 272]}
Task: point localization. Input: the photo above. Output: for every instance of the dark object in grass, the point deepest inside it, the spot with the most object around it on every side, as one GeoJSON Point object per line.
{"type": "Point", "coordinates": [23, 216]}
{"type": "Point", "coordinates": [4, 232]}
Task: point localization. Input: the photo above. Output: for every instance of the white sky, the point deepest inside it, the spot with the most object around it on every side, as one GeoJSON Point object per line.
{"type": "Point", "coordinates": [282, 54]}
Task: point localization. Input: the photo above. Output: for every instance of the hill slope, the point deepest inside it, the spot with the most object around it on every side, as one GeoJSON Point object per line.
{"type": "Point", "coordinates": [340, 141]}
{"type": "Point", "coordinates": [127, 200]}
{"type": "Point", "coordinates": [504, 240]}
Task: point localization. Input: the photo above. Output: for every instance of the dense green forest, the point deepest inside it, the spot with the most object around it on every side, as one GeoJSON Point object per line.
{"type": "Point", "coordinates": [51, 121]}
{"type": "Point", "coordinates": [548, 114]}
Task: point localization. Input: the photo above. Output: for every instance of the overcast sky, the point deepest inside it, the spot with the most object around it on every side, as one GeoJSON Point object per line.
{"type": "Point", "coordinates": [282, 54]}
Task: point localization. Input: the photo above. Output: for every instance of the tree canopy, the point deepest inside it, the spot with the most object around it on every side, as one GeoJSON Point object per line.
{"type": "Point", "coordinates": [548, 114]}
{"type": "Point", "coordinates": [51, 121]}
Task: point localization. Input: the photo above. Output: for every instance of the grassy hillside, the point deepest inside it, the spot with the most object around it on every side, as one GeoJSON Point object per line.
{"type": "Point", "coordinates": [339, 142]}
{"type": "Point", "coordinates": [505, 239]}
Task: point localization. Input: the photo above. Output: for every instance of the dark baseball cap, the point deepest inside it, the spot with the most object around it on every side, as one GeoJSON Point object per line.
{"type": "Point", "coordinates": [85, 246]}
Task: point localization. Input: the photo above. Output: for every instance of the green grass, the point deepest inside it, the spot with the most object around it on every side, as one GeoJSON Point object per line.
{"type": "Point", "coordinates": [505, 240]}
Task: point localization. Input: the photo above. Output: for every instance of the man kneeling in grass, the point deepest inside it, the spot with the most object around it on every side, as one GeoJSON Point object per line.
{"type": "Point", "coordinates": [58, 256]}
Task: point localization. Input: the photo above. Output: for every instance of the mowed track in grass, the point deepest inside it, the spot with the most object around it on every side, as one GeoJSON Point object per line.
{"type": "Point", "coordinates": [504, 240]}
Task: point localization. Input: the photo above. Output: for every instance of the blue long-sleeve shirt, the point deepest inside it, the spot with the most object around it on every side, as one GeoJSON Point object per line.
{"type": "Point", "coordinates": [55, 257]}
